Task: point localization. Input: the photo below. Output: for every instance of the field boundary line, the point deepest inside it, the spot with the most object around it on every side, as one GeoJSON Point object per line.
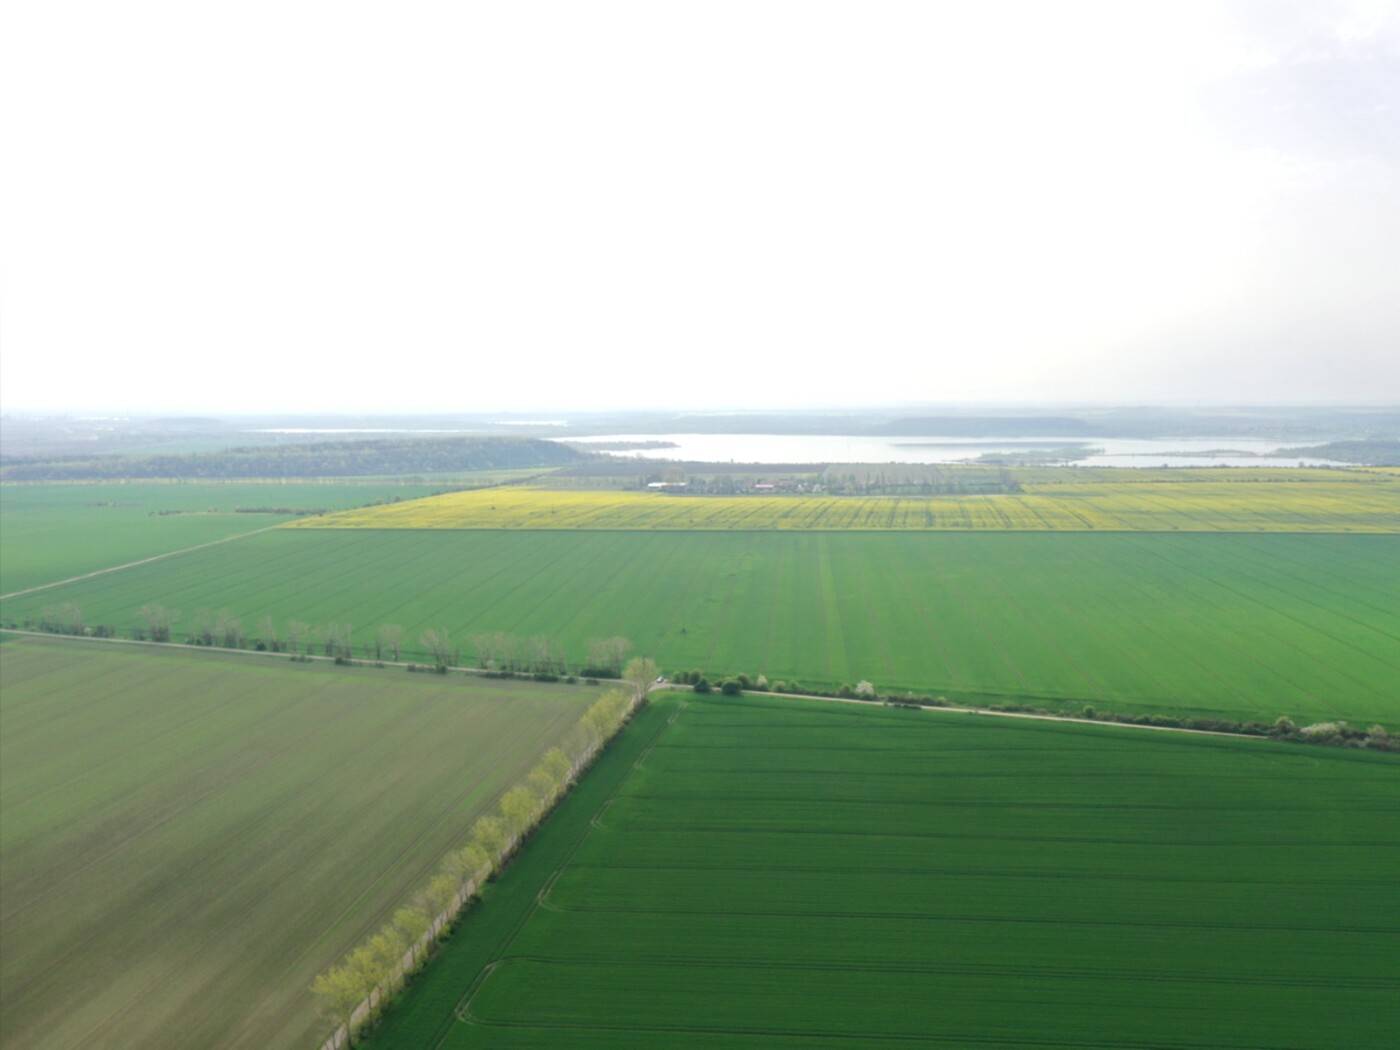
{"type": "Point", "coordinates": [305, 658]}
{"type": "Point", "coordinates": [139, 561]}
{"type": "Point", "coordinates": [462, 1011]}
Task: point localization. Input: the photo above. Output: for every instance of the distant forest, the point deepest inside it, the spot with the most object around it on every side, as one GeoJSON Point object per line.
{"type": "Point", "coordinates": [1366, 453]}
{"type": "Point", "coordinates": [312, 459]}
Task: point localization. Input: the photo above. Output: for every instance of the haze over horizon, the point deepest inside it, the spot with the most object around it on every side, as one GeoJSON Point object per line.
{"type": "Point", "coordinates": [320, 208]}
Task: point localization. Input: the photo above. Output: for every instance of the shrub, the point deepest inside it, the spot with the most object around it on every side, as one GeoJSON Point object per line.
{"type": "Point", "coordinates": [731, 687]}
{"type": "Point", "coordinates": [1323, 731]}
{"type": "Point", "coordinates": [702, 684]}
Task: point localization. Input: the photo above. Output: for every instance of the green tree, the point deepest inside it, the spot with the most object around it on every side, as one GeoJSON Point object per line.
{"type": "Point", "coordinates": [557, 764]}
{"type": "Point", "coordinates": [490, 834]}
{"type": "Point", "coordinates": [440, 895]}
{"type": "Point", "coordinates": [412, 924]}
{"type": "Point", "coordinates": [475, 861]}
{"type": "Point", "coordinates": [543, 784]}
{"type": "Point", "coordinates": [341, 988]}
{"type": "Point", "coordinates": [385, 951]}
{"type": "Point", "coordinates": [519, 807]}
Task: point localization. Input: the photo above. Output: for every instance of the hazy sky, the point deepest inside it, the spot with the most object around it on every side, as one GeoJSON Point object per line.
{"type": "Point", "coordinates": [283, 205]}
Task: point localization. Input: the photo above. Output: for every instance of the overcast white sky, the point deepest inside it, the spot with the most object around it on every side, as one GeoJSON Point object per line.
{"type": "Point", "coordinates": [251, 205]}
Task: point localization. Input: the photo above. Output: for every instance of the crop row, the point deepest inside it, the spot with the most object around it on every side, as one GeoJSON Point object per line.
{"type": "Point", "coordinates": [1213, 893]}
{"type": "Point", "coordinates": [1251, 627]}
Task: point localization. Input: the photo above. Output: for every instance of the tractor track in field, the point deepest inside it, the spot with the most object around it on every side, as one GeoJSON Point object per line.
{"type": "Point", "coordinates": [955, 710]}
{"type": "Point", "coordinates": [462, 1011]}
{"type": "Point", "coordinates": [139, 561]}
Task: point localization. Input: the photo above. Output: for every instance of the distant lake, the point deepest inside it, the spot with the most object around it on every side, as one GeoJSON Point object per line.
{"type": "Point", "coordinates": [832, 448]}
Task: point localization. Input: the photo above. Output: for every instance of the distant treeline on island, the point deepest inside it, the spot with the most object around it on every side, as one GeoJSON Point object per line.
{"type": "Point", "coordinates": [305, 460]}
{"type": "Point", "coordinates": [1365, 453]}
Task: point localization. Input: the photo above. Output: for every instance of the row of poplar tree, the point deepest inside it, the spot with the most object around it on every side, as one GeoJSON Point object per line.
{"type": "Point", "coordinates": [355, 990]}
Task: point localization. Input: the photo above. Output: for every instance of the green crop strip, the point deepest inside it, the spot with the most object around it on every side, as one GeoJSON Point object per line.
{"type": "Point", "coordinates": [783, 873]}
{"type": "Point", "coordinates": [1233, 626]}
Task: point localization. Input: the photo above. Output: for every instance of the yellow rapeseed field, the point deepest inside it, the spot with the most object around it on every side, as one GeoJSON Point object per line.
{"type": "Point", "coordinates": [1340, 503]}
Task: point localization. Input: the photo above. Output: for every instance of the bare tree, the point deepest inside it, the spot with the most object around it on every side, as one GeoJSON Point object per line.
{"type": "Point", "coordinates": [620, 648]}
{"type": "Point", "coordinates": [606, 654]}
{"type": "Point", "coordinates": [641, 672]}
{"type": "Point", "coordinates": [438, 644]}
{"type": "Point", "coordinates": [267, 633]}
{"type": "Point", "coordinates": [390, 636]}
{"type": "Point", "coordinates": [519, 649]}
{"type": "Point", "coordinates": [338, 640]}
{"type": "Point", "coordinates": [599, 654]}
{"type": "Point", "coordinates": [159, 620]}
{"type": "Point", "coordinates": [204, 627]}
{"type": "Point", "coordinates": [485, 646]}
{"type": "Point", "coordinates": [72, 617]}
{"type": "Point", "coordinates": [228, 629]}
{"type": "Point", "coordinates": [296, 631]}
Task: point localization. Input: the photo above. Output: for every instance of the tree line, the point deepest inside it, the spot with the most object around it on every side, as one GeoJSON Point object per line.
{"type": "Point", "coordinates": [355, 990]}
{"type": "Point", "coordinates": [307, 459]}
{"type": "Point", "coordinates": [495, 652]}
{"type": "Point", "coordinates": [542, 657]}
